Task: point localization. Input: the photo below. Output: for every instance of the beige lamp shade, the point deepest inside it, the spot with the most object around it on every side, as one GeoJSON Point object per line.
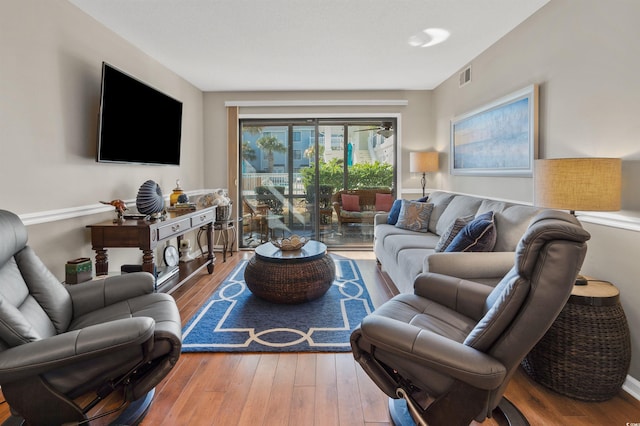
{"type": "Point", "coordinates": [586, 184]}
{"type": "Point", "coordinates": [423, 162]}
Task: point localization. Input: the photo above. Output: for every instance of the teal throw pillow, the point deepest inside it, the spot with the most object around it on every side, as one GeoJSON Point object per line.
{"type": "Point", "coordinates": [414, 216]}
{"type": "Point", "coordinates": [478, 235]}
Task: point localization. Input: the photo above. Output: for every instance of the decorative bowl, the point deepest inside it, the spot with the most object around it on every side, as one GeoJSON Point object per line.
{"type": "Point", "coordinates": [294, 242]}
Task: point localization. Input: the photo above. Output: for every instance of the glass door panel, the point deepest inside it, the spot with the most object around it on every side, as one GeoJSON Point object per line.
{"type": "Point", "coordinates": [292, 173]}
{"type": "Point", "coordinates": [265, 185]}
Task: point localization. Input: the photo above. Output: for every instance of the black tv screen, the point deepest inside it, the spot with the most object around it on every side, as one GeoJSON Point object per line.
{"type": "Point", "coordinates": [138, 124]}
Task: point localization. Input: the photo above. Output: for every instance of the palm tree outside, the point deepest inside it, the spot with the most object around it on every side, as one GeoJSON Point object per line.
{"type": "Point", "coordinates": [270, 144]}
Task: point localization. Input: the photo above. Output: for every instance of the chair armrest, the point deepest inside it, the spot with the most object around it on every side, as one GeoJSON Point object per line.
{"type": "Point", "coordinates": [466, 297]}
{"type": "Point", "coordinates": [434, 351]}
{"type": "Point", "coordinates": [337, 207]}
{"type": "Point", "coordinates": [69, 348]}
{"type": "Point", "coordinates": [471, 265]}
{"type": "Point", "coordinates": [91, 295]}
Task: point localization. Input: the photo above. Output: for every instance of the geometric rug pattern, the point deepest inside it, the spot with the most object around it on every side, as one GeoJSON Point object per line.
{"type": "Point", "coordinates": [234, 320]}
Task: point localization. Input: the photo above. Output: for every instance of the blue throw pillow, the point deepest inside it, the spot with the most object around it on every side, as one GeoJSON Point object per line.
{"type": "Point", "coordinates": [454, 229]}
{"type": "Point", "coordinates": [423, 199]}
{"type": "Point", "coordinates": [392, 218]}
{"type": "Point", "coordinates": [478, 235]}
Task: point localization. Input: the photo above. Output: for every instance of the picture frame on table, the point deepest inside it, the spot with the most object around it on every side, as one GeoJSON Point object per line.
{"type": "Point", "coordinates": [497, 139]}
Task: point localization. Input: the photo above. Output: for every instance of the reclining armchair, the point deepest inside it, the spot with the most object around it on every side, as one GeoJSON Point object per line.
{"type": "Point", "coordinates": [61, 344]}
{"type": "Point", "coordinates": [450, 348]}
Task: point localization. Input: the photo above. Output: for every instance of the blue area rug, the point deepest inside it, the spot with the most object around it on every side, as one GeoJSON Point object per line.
{"type": "Point", "coordinates": [234, 320]}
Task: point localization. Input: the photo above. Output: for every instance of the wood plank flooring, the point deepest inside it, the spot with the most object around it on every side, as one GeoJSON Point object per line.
{"type": "Point", "coordinates": [320, 388]}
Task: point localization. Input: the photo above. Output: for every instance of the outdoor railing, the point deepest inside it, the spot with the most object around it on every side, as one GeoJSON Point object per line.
{"type": "Point", "coordinates": [251, 180]}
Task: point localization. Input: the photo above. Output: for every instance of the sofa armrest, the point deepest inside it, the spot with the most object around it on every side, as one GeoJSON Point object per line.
{"type": "Point", "coordinates": [337, 207]}
{"type": "Point", "coordinates": [471, 266]}
{"type": "Point", "coordinates": [91, 295]}
{"type": "Point", "coordinates": [380, 218]}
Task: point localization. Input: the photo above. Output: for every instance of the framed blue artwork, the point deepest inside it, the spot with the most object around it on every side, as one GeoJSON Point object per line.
{"type": "Point", "coordinates": [498, 139]}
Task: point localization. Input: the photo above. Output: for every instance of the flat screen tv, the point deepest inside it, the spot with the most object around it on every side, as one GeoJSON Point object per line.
{"type": "Point", "coordinates": [138, 124]}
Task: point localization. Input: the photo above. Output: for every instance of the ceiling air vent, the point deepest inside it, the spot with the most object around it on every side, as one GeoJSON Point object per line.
{"type": "Point", "coordinates": [465, 76]}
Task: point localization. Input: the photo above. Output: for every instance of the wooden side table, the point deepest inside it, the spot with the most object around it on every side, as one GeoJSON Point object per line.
{"type": "Point", "coordinates": [146, 235]}
{"type": "Point", "coordinates": [587, 351]}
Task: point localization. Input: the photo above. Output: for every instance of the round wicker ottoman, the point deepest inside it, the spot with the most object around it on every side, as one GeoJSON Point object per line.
{"type": "Point", "coordinates": [587, 351]}
{"type": "Point", "coordinates": [290, 276]}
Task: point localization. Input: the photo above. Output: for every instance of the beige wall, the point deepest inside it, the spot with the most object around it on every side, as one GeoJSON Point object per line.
{"type": "Point", "coordinates": [49, 97]}
{"type": "Point", "coordinates": [416, 121]}
{"type": "Point", "coordinates": [585, 56]}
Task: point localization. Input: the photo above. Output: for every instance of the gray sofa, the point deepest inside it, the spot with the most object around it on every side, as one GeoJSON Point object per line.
{"type": "Point", "coordinates": [404, 254]}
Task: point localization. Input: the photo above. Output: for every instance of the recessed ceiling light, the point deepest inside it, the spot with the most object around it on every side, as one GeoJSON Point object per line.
{"type": "Point", "coordinates": [429, 37]}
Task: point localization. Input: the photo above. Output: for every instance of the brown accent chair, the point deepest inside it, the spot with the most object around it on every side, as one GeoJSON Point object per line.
{"type": "Point", "coordinates": [367, 204]}
{"type": "Point", "coordinates": [450, 348]}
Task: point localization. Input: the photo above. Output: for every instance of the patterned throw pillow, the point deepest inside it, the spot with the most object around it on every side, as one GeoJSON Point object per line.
{"type": "Point", "coordinates": [414, 216]}
{"type": "Point", "coordinates": [450, 234]}
{"type": "Point", "coordinates": [350, 202]}
{"type": "Point", "coordinates": [392, 218]}
{"type": "Point", "coordinates": [478, 235]}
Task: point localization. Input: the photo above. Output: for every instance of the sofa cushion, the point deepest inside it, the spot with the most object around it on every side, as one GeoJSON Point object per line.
{"type": "Point", "coordinates": [384, 202]}
{"type": "Point", "coordinates": [461, 205]}
{"type": "Point", "coordinates": [350, 202]}
{"type": "Point", "coordinates": [477, 235]}
{"type": "Point", "coordinates": [511, 225]}
{"type": "Point", "coordinates": [440, 201]}
{"type": "Point", "coordinates": [392, 218]}
{"type": "Point", "coordinates": [394, 244]}
{"type": "Point", "coordinates": [452, 232]}
{"type": "Point", "coordinates": [414, 216]}
{"type": "Point", "coordinates": [382, 231]}
{"type": "Point", "coordinates": [410, 263]}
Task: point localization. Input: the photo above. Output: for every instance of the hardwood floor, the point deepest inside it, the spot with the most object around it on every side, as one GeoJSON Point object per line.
{"type": "Point", "coordinates": [321, 388]}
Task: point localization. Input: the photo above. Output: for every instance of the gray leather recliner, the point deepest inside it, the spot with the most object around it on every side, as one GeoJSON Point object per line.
{"type": "Point", "coordinates": [58, 343]}
{"type": "Point", "coordinates": [450, 348]}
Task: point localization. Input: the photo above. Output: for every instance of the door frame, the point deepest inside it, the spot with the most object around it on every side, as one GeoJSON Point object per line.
{"type": "Point", "coordinates": [346, 116]}
{"type": "Point", "coordinates": [283, 117]}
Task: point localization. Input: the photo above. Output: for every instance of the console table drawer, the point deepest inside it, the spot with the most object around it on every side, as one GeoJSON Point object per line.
{"type": "Point", "coordinates": [173, 228]}
{"type": "Point", "coordinates": [202, 218]}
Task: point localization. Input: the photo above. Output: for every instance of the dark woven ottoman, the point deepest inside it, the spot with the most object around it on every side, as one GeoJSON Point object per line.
{"type": "Point", "coordinates": [290, 276]}
{"type": "Point", "coordinates": [587, 351]}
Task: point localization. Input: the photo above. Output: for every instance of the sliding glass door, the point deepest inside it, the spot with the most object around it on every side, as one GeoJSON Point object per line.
{"type": "Point", "coordinates": [293, 173]}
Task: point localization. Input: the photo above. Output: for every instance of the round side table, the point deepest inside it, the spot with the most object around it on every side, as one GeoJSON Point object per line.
{"type": "Point", "coordinates": [587, 351]}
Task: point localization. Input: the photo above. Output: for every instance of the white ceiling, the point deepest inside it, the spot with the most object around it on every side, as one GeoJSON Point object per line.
{"type": "Point", "coordinates": [253, 45]}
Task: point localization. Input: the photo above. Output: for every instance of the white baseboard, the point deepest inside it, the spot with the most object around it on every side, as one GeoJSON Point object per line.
{"type": "Point", "coordinates": [632, 387]}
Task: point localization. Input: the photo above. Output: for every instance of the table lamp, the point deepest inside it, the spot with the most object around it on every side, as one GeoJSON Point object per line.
{"type": "Point", "coordinates": [585, 184]}
{"type": "Point", "coordinates": [423, 162]}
